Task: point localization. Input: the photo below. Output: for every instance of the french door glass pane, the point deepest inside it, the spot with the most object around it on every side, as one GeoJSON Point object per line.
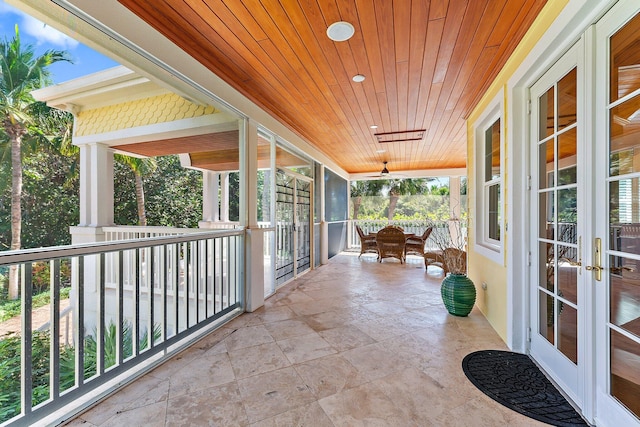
{"type": "Point", "coordinates": [625, 145]}
{"type": "Point", "coordinates": [547, 317]}
{"type": "Point", "coordinates": [567, 106]}
{"type": "Point", "coordinates": [547, 218]}
{"type": "Point", "coordinates": [624, 216]}
{"type": "Point", "coordinates": [547, 266]}
{"type": "Point", "coordinates": [546, 172]}
{"type": "Point", "coordinates": [547, 114]}
{"type": "Point", "coordinates": [567, 149]}
{"type": "Point", "coordinates": [624, 294]}
{"type": "Point", "coordinates": [625, 371]}
{"type": "Point", "coordinates": [625, 60]}
{"type": "Point", "coordinates": [567, 273]}
{"type": "Point", "coordinates": [568, 331]}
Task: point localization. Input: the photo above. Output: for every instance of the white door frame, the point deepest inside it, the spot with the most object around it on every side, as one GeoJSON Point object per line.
{"type": "Point", "coordinates": [568, 27]}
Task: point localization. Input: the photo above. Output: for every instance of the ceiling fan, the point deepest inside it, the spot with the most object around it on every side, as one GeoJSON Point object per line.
{"type": "Point", "coordinates": [385, 174]}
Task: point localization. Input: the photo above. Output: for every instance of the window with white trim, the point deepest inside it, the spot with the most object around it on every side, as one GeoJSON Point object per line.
{"type": "Point", "coordinates": [489, 150]}
{"type": "Point", "coordinates": [491, 184]}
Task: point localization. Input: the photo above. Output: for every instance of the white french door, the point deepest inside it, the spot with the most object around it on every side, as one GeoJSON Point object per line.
{"type": "Point", "coordinates": [558, 185]}
{"type": "Point", "coordinates": [617, 216]}
{"type": "Point", "coordinates": [585, 234]}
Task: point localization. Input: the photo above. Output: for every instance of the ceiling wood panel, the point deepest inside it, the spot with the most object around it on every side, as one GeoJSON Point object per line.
{"type": "Point", "coordinates": [426, 63]}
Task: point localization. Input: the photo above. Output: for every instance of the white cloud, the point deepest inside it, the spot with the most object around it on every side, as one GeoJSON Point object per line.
{"type": "Point", "coordinates": [45, 34]}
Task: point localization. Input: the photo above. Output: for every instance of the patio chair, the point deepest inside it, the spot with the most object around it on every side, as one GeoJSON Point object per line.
{"type": "Point", "coordinates": [390, 242]}
{"type": "Point", "coordinates": [415, 244]}
{"type": "Point", "coordinates": [367, 242]}
{"type": "Point", "coordinates": [444, 259]}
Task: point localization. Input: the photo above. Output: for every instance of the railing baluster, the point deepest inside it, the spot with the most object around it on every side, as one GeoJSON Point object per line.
{"type": "Point", "coordinates": [54, 358]}
{"type": "Point", "coordinates": [27, 337]}
{"type": "Point", "coordinates": [97, 307]}
{"type": "Point", "coordinates": [135, 333]}
{"type": "Point", "coordinates": [151, 293]}
{"type": "Point", "coordinates": [100, 321]}
{"type": "Point", "coordinates": [79, 321]}
{"type": "Point", "coordinates": [120, 320]}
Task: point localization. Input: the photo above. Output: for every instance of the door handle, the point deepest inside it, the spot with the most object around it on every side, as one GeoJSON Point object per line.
{"type": "Point", "coordinates": [597, 259]}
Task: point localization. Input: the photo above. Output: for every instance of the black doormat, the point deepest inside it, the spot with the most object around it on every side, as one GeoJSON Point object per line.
{"type": "Point", "coordinates": [513, 380]}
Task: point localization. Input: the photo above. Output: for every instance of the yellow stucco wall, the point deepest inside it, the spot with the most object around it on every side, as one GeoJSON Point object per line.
{"type": "Point", "coordinates": [493, 302]}
{"type": "Point", "coordinates": [140, 112]}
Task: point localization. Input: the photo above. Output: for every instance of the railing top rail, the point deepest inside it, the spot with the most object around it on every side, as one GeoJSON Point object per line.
{"type": "Point", "coordinates": [152, 229]}
{"type": "Point", "coordinates": [53, 252]}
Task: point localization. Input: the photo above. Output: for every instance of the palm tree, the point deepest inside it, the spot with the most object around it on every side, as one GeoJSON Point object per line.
{"type": "Point", "coordinates": [141, 167]}
{"type": "Point", "coordinates": [360, 189]}
{"type": "Point", "coordinates": [401, 187]}
{"type": "Point", "coordinates": [21, 72]}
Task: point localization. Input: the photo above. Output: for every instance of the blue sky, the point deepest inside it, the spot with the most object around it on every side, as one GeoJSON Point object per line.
{"type": "Point", "coordinates": [43, 37]}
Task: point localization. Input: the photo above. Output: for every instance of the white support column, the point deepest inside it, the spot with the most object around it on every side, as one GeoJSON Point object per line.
{"type": "Point", "coordinates": [454, 209]}
{"type": "Point", "coordinates": [254, 252]}
{"type": "Point", "coordinates": [224, 193]}
{"type": "Point", "coordinates": [324, 226]}
{"type": "Point", "coordinates": [96, 185]}
{"type": "Point", "coordinates": [96, 211]}
{"type": "Point", "coordinates": [454, 197]}
{"type": "Point", "coordinates": [210, 187]}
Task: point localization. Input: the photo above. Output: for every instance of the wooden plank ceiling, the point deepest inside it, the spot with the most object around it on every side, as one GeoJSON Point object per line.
{"type": "Point", "coordinates": [426, 64]}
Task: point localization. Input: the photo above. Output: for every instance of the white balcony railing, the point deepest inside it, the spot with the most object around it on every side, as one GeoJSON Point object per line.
{"type": "Point", "coordinates": [133, 304]}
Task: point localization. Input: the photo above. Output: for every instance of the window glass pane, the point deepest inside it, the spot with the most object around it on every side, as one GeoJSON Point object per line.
{"type": "Point", "coordinates": [625, 60]}
{"type": "Point", "coordinates": [568, 273]}
{"type": "Point", "coordinates": [546, 215]}
{"type": "Point", "coordinates": [624, 215]}
{"type": "Point", "coordinates": [624, 294]}
{"type": "Point", "coordinates": [625, 145]}
{"type": "Point", "coordinates": [547, 318]}
{"type": "Point", "coordinates": [625, 365]}
{"type": "Point", "coordinates": [494, 212]}
{"type": "Point", "coordinates": [335, 203]}
{"type": "Point", "coordinates": [567, 330]}
{"type": "Point", "coordinates": [546, 159]}
{"type": "Point", "coordinates": [567, 146]}
{"type": "Point", "coordinates": [567, 215]}
{"type": "Point", "coordinates": [492, 152]}
{"type": "Point", "coordinates": [567, 111]}
{"type": "Point", "coordinates": [547, 263]}
{"type": "Point", "coordinates": [547, 114]}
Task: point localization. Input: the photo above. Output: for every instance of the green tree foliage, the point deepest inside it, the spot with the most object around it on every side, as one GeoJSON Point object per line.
{"type": "Point", "coordinates": [10, 363]}
{"type": "Point", "coordinates": [173, 196]}
{"type": "Point", "coordinates": [21, 71]}
{"type": "Point", "coordinates": [49, 199]}
{"type": "Point", "coordinates": [360, 189]}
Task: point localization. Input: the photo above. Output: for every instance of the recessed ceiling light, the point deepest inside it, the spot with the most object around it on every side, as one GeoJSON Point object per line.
{"type": "Point", "coordinates": [374, 126]}
{"type": "Point", "coordinates": [381, 151]}
{"type": "Point", "coordinates": [358, 78]}
{"type": "Point", "coordinates": [340, 31]}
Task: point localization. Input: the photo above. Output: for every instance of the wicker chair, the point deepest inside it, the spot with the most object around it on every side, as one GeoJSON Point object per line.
{"type": "Point", "coordinates": [390, 242]}
{"type": "Point", "coordinates": [367, 242]}
{"type": "Point", "coordinates": [415, 244]}
{"type": "Point", "coordinates": [445, 259]}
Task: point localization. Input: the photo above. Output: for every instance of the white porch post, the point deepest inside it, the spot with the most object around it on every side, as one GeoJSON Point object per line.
{"type": "Point", "coordinates": [454, 208]}
{"type": "Point", "coordinates": [96, 211]}
{"type": "Point", "coordinates": [254, 252]}
{"type": "Point", "coordinates": [210, 209]}
{"type": "Point", "coordinates": [324, 227]}
{"type": "Point", "coordinates": [224, 192]}
{"type": "Point", "coordinates": [96, 193]}
{"type": "Point", "coordinates": [454, 197]}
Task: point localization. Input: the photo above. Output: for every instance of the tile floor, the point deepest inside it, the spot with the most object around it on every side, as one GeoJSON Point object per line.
{"type": "Point", "coordinates": [353, 343]}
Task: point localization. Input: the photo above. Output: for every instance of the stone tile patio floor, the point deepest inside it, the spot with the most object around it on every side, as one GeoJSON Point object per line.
{"type": "Point", "coordinates": [353, 343]}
